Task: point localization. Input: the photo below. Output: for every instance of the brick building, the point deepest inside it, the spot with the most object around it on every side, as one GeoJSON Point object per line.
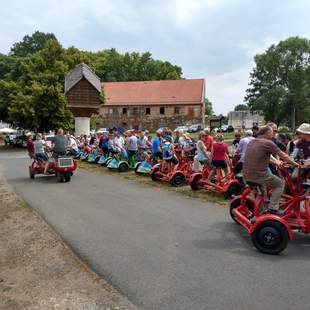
{"type": "Point", "coordinates": [138, 105]}
{"type": "Point", "coordinates": [152, 104]}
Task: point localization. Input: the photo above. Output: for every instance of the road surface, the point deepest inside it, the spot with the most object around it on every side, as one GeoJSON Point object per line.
{"type": "Point", "coordinates": [162, 250]}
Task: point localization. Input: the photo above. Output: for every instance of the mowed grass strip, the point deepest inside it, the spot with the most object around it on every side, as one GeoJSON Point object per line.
{"type": "Point", "coordinates": [146, 180]}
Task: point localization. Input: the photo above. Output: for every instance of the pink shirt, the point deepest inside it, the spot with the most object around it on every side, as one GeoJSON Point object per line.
{"type": "Point", "coordinates": [220, 150]}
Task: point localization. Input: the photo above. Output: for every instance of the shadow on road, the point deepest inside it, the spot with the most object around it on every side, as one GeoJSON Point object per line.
{"type": "Point", "coordinates": [233, 237]}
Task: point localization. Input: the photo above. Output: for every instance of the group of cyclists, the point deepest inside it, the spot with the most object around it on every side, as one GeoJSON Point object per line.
{"type": "Point", "coordinates": [255, 156]}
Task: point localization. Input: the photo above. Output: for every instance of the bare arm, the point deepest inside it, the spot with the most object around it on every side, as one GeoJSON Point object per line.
{"type": "Point", "coordinates": [287, 159]}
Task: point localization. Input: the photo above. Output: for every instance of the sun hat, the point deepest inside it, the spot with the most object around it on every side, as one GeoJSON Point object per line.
{"type": "Point", "coordinates": [304, 128]}
{"type": "Point", "coordinates": [249, 132]}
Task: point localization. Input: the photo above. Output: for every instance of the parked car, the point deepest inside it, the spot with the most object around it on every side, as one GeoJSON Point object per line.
{"type": "Point", "coordinates": [20, 141]}
{"type": "Point", "coordinates": [230, 128]}
{"type": "Point", "coordinates": [223, 128]}
{"type": "Point", "coordinates": [102, 130]}
{"type": "Point", "coordinates": [161, 129]}
{"type": "Point", "coordinates": [48, 139]}
{"type": "Point", "coordinates": [195, 128]}
{"type": "Point", "coordinates": [184, 128]}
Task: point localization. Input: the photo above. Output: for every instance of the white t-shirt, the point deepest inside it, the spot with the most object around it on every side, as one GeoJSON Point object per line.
{"type": "Point", "coordinates": [73, 144]}
{"type": "Point", "coordinates": [242, 146]}
{"type": "Point", "coordinates": [39, 146]}
{"type": "Point", "coordinates": [132, 143]}
{"type": "Point", "coordinates": [142, 142]}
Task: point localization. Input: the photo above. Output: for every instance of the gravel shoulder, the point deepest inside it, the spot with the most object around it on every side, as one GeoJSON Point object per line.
{"type": "Point", "coordinates": [38, 271]}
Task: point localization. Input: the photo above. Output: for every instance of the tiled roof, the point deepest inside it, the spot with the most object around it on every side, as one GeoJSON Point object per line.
{"type": "Point", "coordinates": [164, 92]}
{"type": "Point", "coordinates": [76, 74]}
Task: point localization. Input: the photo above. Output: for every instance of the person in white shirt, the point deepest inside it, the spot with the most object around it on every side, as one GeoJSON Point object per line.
{"type": "Point", "coordinates": [132, 144]}
{"type": "Point", "coordinates": [72, 145]}
{"type": "Point", "coordinates": [241, 149]}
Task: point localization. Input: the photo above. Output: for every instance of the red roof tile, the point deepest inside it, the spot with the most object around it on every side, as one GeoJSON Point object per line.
{"type": "Point", "coordinates": [154, 92]}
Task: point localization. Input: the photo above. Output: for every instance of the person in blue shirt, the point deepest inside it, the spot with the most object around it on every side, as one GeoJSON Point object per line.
{"type": "Point", "coordinates": [156, 147]}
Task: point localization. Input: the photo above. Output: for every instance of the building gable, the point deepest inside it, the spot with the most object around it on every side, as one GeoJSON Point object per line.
{"type": "Point", "coordinates": [77, 74]}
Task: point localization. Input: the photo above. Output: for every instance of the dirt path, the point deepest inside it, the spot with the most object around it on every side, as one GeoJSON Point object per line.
{"type": "Point", "coordinates": [38, 271]}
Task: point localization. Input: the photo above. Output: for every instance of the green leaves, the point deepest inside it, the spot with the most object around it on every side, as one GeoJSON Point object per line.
{"type": "Point", "coordinates": [32, 78]}
{"type": "Point", "coordinates": [280, 82]}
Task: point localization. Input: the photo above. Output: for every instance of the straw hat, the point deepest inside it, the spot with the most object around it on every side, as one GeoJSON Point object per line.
{"type": "Point", "coordinates": [304, 128]}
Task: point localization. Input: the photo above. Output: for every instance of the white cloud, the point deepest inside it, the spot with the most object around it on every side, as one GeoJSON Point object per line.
{"type": "Point", "coordinates": [227, 90]}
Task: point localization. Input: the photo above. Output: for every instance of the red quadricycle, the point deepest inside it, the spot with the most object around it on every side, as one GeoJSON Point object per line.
{"type": "Point", "coordinates": [176, 175]}
{"type": "Point", "coordinates": [271, 233]}
{"type": "Point", "coordinates": [62, 168]}
{"type": "Point", "coordinates": [226, 184]}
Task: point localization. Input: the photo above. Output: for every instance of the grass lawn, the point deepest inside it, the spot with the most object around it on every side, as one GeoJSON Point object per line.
{"type": "Point", "coordinates": [146, 180]}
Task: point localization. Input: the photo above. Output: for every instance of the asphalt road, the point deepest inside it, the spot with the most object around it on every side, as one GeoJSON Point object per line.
{"type": "Point", "coordinates": [162, 250]}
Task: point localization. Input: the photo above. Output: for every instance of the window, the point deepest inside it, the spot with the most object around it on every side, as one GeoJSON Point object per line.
{"type": "Point", "coordinates": [177, 110]}
{"type": "Point", "coordinates": [111, 111]}
{"type": "Point", "coordinates": [135, 110]}
{"type": "Point", "coordinates": [162, 110]}
{"type": "Point", "coordinates": [148, 111]}
{"type": "Point", "coordinates": [124, 110]}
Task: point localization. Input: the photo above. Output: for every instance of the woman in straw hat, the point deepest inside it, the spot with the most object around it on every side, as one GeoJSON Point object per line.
{"type": "Point", "coordinates": [303, 145]}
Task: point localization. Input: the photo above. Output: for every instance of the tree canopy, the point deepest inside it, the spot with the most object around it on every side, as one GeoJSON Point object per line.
{"type": "Point", "coordinates": [32, 78]}
{"type": "Point", "coordinates": [241, 107]}
{"type": "Point", "coordinates": [280, 82]}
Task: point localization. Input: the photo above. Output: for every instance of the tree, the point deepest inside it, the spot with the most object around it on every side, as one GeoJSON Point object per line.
{"type": "Point", "coordinates": [280, 82]}
{"type": "Point", "coordinates": [39, 102]}
{"type": "Point", "coordinates": [241, 107]}
{"type": "Point", "coordinates": [32, 78]}
{"type": "Point", "coordinates": [208, 107]}
{"type": "Point", "coordinates": [31, 44]}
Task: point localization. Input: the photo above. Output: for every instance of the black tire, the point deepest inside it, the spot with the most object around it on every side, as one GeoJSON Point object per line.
{"type": "Point", "coordinates": [178, 180]}
{"type": "Point", "coordinates": [123, 167]}
{"type": "Point", "coordinates": [270, 237]}
{"type": "Point", "coordinates": [194, 183]}
{"type": "Point", "coordinates": [153, 175]}
{"type": "Point", "coordinates": [60, 177]}
{"type": "Point", "coordinates": [233, 190]}
{"type": "Point", "coordinates": [105, 164]}
{"type": "Point", "coordinates": [137, 167]}
{"type": "Point", "coordinates": [236, 203]}
{"type": "Point", "coordinates": [31, 174]}
{"type": "Point", "coordinates": [67, 177]}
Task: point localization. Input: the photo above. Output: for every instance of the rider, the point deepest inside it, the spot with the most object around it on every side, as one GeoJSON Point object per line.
{"type": "Point", "coordinates": [30, 145]}
{"type": "Point", "coordinates": [202, 156]}
{"type": "Point", "coordinates": [256, 162]}
{"type": "Point", "coordinates": [59, 144]}
{"type": "Point", "coordinates": [219, 155]}
{"type": "Point", "coordinates": [241, 150]}
{"type": "Point", "coordinates": [39, 145]}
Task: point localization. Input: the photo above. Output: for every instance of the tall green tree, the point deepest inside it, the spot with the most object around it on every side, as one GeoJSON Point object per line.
{"type": "Point", "coordinates": [280, 82]}
{"type": "Point", "coordinates": [39, 102]}
{"type": "Point", "coordinates": [208, 107]}
{"type": "Point", "coordinates": [31, 44]}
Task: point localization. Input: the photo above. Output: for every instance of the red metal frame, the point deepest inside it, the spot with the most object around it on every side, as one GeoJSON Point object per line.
{"type": "Point", "coordinates": [293, 216]}
{"type": "Point", "coordinates": [221, 184]}
{"type": "Point", "coordinates": [37, 167]}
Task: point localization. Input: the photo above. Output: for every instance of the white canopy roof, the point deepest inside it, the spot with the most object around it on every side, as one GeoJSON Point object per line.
{"type": "Point", "coordinates": [7, 130]}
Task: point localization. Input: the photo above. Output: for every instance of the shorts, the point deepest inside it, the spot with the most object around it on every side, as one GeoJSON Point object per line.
{"type": "Point", "coordinates": [219, 164]}
{"type": "Point", "coordinates": [42, 156]}
{"type": "Point", "coordinates": [158, 154]}
{"type": "Point", "coordinates": [173, 160]}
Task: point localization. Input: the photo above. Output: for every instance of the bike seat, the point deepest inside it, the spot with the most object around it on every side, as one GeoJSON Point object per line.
{"type": "Point", "coordinates": [306, 185]}
{"type": "Point", "coordinates": [252, 184]}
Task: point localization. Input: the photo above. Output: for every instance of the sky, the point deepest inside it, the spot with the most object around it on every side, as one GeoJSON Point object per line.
{"type": "Point", "coordinates": [212, 39]}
